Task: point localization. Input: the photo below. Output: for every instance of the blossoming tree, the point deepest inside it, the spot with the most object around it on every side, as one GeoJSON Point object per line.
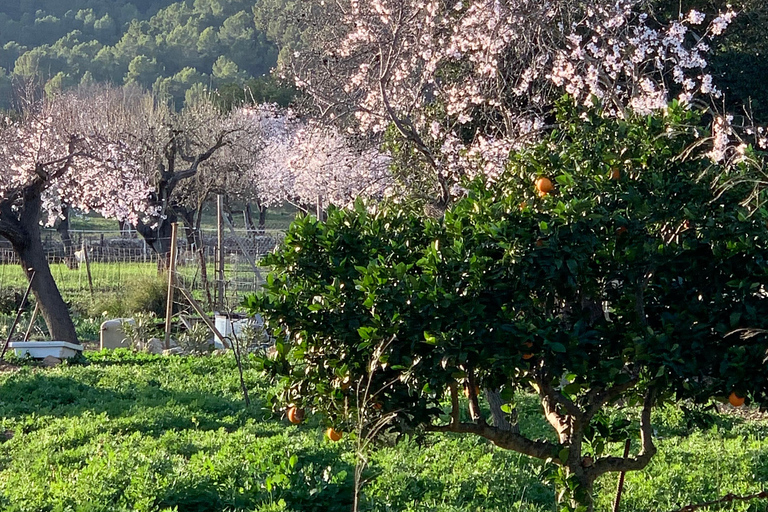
{"type": "Point", "coordinates": [66, 150]}
{"type": "Point", "coordinates": [454, 86]}
{"type": "Point", "coordinates": [310, 165]}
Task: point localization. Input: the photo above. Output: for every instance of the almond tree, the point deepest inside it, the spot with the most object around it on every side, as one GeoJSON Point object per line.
{"type": "Point", "coordinates": [67, 149]}
{"type": "Point", "coordinates": [178, 150]}
{"type": "Point", "coordinates": [453, 87]}
{"type": "Point", "coordinates": [310, 165]}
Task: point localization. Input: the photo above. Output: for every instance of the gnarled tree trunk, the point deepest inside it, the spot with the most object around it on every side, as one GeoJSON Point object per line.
{"type": "Point", "coordinates": [22, 229]}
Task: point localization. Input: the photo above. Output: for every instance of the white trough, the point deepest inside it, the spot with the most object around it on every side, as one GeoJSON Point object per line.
{"type": "Point", "coordinates": [43, 349]}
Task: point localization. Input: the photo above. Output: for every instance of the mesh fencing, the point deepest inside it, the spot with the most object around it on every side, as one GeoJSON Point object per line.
{"type": "Point", "coordinates": [118, 260]}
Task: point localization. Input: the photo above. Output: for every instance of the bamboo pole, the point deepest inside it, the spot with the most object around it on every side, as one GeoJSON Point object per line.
{"type": "Point", "coordinates": [171, 282]}
{"type": "Point", "coordinates": [199, 310]}
{"type": "Point", "coordinates": [620, 486]}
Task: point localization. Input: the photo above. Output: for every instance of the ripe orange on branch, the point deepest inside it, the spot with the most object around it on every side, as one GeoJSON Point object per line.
{"type": "Point", "coordinates": [332, 434]}
{"type": "Point", "coordinates": [544, 186]}
{"type": "Point", "coordinates": [528, 356]}
{"type": "Point", "coordinates": [295, 415]}
{"type": "Point", "coordinates": [615, 173]}
{"type": "Point", "coordinates": [736, 400]}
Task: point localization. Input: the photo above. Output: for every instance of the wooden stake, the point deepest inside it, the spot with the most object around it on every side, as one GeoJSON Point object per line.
{"type": "Point", "coordinates": [199, 310]}
{"type": "Point", "coordinates": [171, 283]}
{"type": "Point", "coordinates": [87, 262]}
{"type": "Point", "coordinates": [620, 487]}
{"type": "Point", "coordinates": [220, 249]}
{"type": "Point", "coordinates": [204, 276]}
{"type": "Point", "coordinates": [18, 314]}
{"type": "Point", "coordinates": [32, 321]}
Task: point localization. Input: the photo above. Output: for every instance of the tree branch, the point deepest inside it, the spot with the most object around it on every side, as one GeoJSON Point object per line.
{"type": "Point", "coordinates": [596, 399]}
{"type": "Point", "coordinates": [647, 448]}
{"type": "Point", "coordinates": [503, 439]}
{"type": "Point", "coordinates": [728, 498]}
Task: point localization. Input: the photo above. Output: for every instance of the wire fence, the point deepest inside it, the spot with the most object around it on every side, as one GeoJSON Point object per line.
{"type": "Point", "coordinates": [119, 260]}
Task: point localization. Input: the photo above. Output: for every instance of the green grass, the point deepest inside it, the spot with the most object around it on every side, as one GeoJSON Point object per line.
{"type": "Point", "coordinates": [138, 432]}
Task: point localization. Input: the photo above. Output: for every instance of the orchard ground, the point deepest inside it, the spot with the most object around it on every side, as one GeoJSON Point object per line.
{"type": "Point", "coordinates": [123, 431]}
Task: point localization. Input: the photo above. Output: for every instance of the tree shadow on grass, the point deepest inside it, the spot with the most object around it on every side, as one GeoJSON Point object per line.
{"type": "Point", "coordinates": [146, 408]}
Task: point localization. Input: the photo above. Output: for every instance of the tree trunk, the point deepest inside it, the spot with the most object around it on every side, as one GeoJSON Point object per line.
{"type": "Point", "coordinates": [499, 419]}
{"type": "Point", "coordinates": [63, 229]}
{"type": "Point", "coordinates": [22, 229]}
{"type": "Point", "coordinates": [580, 497]}
{"type": "Point", "coordinates": [262, 217]}
{"type": "Point", "coordinates": [248, 217]}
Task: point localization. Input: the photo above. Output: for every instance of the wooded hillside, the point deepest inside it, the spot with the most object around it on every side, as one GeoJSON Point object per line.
{"type": "Point", "coordinates": [168, 47]}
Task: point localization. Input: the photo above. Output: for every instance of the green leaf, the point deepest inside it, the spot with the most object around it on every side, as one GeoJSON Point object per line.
{"type": "Point", "coordinates": [557, 347]}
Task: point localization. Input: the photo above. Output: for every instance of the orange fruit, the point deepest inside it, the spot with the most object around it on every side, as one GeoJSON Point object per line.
{"type": "Point", "coordinates": [528, 356]}
{"type": "Point", "coordinates": [544, 186]}
{"type": "Point", "coordinates": [332, 434]}
{"type": "Point", "coordinates": [378, 406]}
{"type": "Point", "coordinates": [539, 243]}
{"type": "Point", "coordinates": [615, 174]}
{"type": "Point", "coordinates": [295, 415]}
{"type": "Point", "coordinates": [621, 230]}
{"type": "Point", "coordinates": [736, 400]}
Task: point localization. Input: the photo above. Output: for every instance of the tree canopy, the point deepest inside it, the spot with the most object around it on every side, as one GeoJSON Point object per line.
{"type": "Point", "coordinates": [636, 275]}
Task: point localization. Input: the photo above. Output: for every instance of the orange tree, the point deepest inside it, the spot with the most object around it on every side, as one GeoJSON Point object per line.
{"type": "Point", "coordinates": [640, 279]}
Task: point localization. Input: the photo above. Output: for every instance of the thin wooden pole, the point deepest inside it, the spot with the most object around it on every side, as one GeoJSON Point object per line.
{"type": "Point", "coordinates": [87, 262]}
{"type": "Point", "coordinates": [199, 310]}
{"type": "Point", "coordinates": [32, 321]}
{"type": "Point", "coordinates": [204, 275]}
{"type": "Point", "coordinates": [220, 249]}
{"type": "Point", "coordinates": [18, 314]}
{"type": "Point", "coordinates": [620, 487]}
{"type": "Point", "coordinates": [171, 282]}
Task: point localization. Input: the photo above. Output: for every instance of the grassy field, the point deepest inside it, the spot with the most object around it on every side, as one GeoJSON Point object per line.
{"type": "Point", "coordinates": [136, 432]}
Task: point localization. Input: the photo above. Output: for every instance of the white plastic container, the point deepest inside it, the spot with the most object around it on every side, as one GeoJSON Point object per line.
{"type": "Point", "coordinates": [43, 349]}
{"type": "Point", "coordinates": [229, 325]}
